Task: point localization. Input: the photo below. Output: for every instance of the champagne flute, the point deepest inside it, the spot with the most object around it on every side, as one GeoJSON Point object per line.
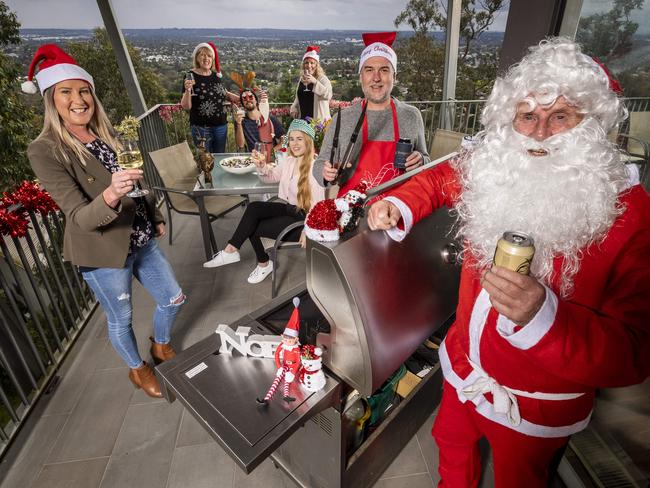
{"type": "Point", "coordinates": [190, 76]}
{"type": "Point", "coordinates": [129, 157]}
{"type": "Point", "coordinates": [306, 72]}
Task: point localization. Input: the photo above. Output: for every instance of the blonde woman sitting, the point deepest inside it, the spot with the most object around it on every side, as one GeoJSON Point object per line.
{"type": "Point", "coordinates": [298, 188]}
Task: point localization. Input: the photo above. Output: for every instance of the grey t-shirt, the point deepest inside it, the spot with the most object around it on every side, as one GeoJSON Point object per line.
{"type": "Point", "coordinates": [380, 128]}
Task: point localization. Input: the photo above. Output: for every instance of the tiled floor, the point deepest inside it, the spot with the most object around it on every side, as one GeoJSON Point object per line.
{"type": "Point", "coordinates": [95, 430]}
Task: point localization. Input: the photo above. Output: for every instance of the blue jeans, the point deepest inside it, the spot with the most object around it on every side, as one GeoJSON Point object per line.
{"type": "Point", "coordinates": [215, 137]}
{"type": "Point", "coordinates": [112, 287]}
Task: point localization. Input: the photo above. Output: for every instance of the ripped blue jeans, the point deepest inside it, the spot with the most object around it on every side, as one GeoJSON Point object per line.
{"type": "Point", "coordinates": [112, 287]}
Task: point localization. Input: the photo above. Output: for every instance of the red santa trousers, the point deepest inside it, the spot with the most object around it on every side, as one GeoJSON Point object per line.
{"type": "Point", "coordinates": [519, 460]}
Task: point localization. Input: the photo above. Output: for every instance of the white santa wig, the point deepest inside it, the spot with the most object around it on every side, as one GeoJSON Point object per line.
{"type": "Point", "coordinates": [566, 200]}
{"type": "Point", "coordinates": [556, 67]}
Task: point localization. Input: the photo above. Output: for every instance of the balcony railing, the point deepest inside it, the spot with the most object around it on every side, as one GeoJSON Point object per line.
{"type": "Point", "coordinates": [44, 304]}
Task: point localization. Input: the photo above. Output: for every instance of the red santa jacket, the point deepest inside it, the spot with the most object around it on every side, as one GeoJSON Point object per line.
{"type": "Point", "coordinates": [540, 379]}
{"type": "Point", "coordinates": [288, 356]}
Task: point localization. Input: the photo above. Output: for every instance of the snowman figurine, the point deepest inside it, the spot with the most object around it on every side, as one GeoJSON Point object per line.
{"type": "Point", "coordinates": [311, 374]}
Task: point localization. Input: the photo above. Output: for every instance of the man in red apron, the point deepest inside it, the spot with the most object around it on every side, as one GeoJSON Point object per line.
{"type": "Point", "coordinates": [379, 119]}
{"type": "Point", "coordinates": [252, 126]}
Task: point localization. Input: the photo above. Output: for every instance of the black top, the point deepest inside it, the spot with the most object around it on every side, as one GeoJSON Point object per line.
{"type": "Point", "coordinates": [306, 101]}
{"type": "Point", "coordinates": [208, 104]}
{"type": "Point", "coordinates": [142, 226]}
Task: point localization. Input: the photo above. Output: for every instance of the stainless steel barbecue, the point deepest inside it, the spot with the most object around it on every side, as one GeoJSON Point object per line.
{"type": "Point", "coordinates": [369, 302]}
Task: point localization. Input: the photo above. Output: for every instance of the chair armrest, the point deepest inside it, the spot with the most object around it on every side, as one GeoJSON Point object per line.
{"type": "Point", "coordinates": [287, 229]}
{"type": "Point", "coordinates": [281, 243]}
{"type": "Point", "coordinates": [644, 144]}
{"type": "Point", "coordinates": [173, 190]}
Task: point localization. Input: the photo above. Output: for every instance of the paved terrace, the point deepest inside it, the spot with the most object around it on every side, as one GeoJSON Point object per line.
{"type": "Point", "coordinates": [96, 430]}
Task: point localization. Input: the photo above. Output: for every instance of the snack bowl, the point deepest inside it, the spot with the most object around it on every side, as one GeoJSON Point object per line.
{"type": "Point", "coordinates": [237, 165]}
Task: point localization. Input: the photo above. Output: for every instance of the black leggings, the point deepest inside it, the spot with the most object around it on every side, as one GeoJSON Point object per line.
{"type": "Point", "coordinates": [266, 219]}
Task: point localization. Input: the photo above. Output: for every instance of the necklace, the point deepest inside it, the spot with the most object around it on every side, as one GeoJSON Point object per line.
{"type": "Point", "coordinates": [84, 135]}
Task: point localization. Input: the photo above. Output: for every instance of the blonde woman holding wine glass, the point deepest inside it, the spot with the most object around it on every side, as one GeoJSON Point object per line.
{"type": "Point", "coordinates": [299, 190]}
{"type": "Point", "coordinates": [314, 90]}
{"type": "Point", "coordinates": [109, 236]}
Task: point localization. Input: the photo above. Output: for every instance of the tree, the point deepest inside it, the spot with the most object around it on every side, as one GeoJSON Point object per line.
{"type": "Point", "coordinates": [608, 35]}
{"type": "Point", "coordinates": [422, 58]}
{"type": "Point", "coordinates": [18, 122]}
{"type": "Point", "coordinates": [97, 57]}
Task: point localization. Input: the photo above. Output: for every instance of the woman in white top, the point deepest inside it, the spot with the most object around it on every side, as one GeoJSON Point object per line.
{"type": "Point", "coordinates": [298, 188]}
{"type": "Point", "coordinates": [314, 90]}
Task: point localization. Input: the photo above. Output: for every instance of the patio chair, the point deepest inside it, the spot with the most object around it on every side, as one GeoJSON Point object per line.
{"type": "Point", "coordinates": [279, 244]}
{"type": "Point", "coordinates": [636, 144]}
{"type": "Point", "coordinates": [178, 172]}
{"type": "Point", "coordinates": [444, 142]}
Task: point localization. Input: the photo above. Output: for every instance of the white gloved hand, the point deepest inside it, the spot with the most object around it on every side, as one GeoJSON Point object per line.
{"type": "Point", "coordinates": [289, 377]}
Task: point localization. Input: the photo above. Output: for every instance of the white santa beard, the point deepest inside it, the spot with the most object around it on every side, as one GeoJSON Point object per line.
{"type": "Point", "coordinates": [565, 200]}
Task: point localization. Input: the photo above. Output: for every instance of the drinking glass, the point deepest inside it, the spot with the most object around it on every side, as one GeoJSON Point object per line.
{"type": "Point", "coordinates": [260, 147]}
{"type": "Point", "coordinates": [129, 157]}
{"type": "Point", "coordinates": [190, 76]}
{"type": "Point", "coordinates": [306, 72]}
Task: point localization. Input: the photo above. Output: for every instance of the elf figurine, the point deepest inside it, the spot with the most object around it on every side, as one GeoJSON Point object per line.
{"type": "Point", "coordinates": [287, 357]}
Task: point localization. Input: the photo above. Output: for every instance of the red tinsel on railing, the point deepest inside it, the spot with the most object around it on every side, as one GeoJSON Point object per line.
{"type": "Point", "coordinates": [14, 223]}
{"type": "Point", "coordinates": [33, 198]}
{"type": "Point", "coordinates": [29, 197]}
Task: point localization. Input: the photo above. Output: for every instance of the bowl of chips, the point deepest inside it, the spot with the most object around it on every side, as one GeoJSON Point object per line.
{"type": "Point", "coordinates": [238, 165]}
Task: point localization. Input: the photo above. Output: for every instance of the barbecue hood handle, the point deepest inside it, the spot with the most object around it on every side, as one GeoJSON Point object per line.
{"type": "Point", "coordinates": [378, 190]}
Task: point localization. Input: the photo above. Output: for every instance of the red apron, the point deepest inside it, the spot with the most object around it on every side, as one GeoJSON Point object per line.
{"type": "Point", "coordinates": [266, 135]}
{"type": "Point", "coordinates": [375, 159]}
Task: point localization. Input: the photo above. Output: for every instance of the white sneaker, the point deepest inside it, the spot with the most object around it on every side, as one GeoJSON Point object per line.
{"type": "Point", "coordinates": [259, 273]}
{"type": "Point", "coordinates": [222, 258]}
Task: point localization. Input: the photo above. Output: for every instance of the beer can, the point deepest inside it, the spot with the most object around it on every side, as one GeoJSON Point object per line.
{"type": "Point", "coordinates": [515, 251]}
{"type": "Point", "coordinates": [403, 148]}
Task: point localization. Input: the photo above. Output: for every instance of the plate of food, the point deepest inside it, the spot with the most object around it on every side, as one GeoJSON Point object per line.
{"type": "Point", "coordinates": [238, 164]}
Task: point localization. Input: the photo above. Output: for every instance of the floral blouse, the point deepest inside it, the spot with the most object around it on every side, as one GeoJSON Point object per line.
{"type": "Point", "coordinates": [142, 225]}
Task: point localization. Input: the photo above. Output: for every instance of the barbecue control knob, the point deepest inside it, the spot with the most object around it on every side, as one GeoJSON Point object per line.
{"type": "Point", "coordinates": [450, 253]}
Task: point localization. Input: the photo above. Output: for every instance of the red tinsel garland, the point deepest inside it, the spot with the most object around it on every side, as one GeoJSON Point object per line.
{"type": "Point", "coordinates": [13, 224]}
{"type": "Point", "coordinates": [32, 199]}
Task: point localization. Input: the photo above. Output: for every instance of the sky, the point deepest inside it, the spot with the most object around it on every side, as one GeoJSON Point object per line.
{"type": "Point", "coordinates": [369, 15]}
{"type": "Point", "coordinates": [277, 14]}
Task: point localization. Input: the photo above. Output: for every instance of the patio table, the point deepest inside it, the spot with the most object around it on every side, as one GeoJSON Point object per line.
{"type": "Point", "coordinates": [224, 183]}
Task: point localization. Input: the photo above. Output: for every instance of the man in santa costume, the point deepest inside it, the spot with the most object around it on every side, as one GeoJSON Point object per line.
{"type": "Point", "coordinates": [380, 120]}
{"type": "Point", "coordinates": [287, 357]}
{"type": "Point", "coordinates": [524, 358]}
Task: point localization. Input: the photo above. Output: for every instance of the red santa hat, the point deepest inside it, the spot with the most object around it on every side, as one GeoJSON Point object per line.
{"type": "Point", "coordinates": [54, 65]}
{"type": "Point", "coordinates": [293, 326]}
{"type": "Point", "coordinates": [321, 223]}
{"type": "Point", "coordinates": [379, 44]}
{"type": "Point", "coordinates": [614, 85]}
{"type": "Point", "coordinates": [312, 52]}
{"type": "Point", "coordinates": [213, 48]}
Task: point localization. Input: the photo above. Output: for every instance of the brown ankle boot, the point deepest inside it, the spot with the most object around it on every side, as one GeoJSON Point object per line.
{"type": "Point", "coordinates": [161, 352]}
{"type": "Point", "coordinates": [144, 377]}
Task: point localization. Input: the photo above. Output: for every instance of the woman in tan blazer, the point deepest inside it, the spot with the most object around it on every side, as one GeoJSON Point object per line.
{"type": "Point", "coordinates": [108, 235]}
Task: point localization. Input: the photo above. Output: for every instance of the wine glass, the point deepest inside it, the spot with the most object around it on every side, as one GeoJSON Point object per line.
{"type": "Point", "coordinates": [129, 157]}
{"type": "Point", "coordinates": [260, 147]}
{"type": "Point", "coordinates": [190, 76]}
{"type": "Point", "coordinates": [306, 72]}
